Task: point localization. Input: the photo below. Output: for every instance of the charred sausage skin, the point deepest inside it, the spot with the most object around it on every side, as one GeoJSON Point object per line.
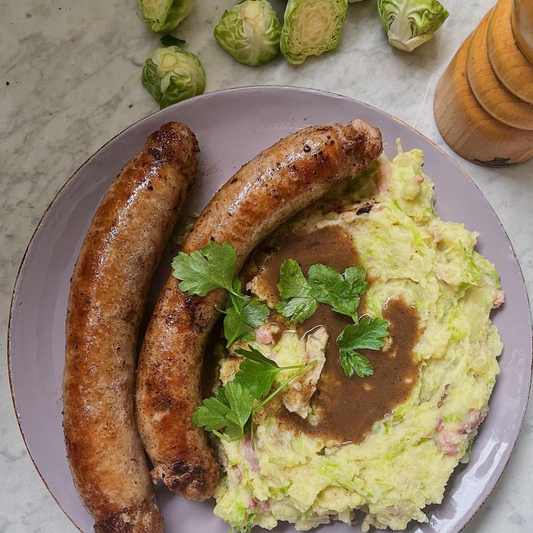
{"type": "Point", "coordinates": [107, 297]}
{"type": "Point", "coordinates": [263, 194]}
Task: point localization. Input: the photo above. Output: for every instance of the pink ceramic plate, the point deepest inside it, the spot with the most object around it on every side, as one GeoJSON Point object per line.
{"type": "Point", "coordinates": [232, 127]}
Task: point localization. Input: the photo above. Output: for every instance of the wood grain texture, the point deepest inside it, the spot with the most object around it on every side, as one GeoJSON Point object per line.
{"type": "Point", "coordinates": [467, 128]}
{"type": "Point", "coordinates": [522, 23]}
{"type": "Point", "coordinates": [487, 88]}
{"type": "Point", "coordinates": [508, 62]}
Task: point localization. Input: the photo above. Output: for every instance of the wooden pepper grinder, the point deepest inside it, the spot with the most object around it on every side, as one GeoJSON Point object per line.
{"type": "Point", "coordinates": [484, 100]}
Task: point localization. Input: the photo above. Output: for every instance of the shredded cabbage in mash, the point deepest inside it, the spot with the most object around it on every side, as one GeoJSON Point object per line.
{"type": "Point", "coordinates": [405, 463]}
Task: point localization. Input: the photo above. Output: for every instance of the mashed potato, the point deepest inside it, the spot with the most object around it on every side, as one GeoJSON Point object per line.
{"type": "Point", "coordinates": [405, 462]}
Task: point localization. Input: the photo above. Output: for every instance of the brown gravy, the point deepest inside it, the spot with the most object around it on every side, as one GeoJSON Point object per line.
{"type": "Point", "coordinates": [347, 407]}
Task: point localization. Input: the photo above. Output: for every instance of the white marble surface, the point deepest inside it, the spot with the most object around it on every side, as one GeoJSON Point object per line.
{"type": "Point", "coordinates": [70, 80]}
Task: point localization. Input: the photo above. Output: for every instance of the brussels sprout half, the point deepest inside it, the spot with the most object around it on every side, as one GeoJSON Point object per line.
{"type": "Point", "coordinates": [410, 23]}
{"type": "Point", "coordinates": [164, 15]}
{"type": "Point", "coordinates": [250, 32]}
{"type": "Point", "coordinates": [311, 27]}
{"type": "Point", "coordinates": [172, 75]}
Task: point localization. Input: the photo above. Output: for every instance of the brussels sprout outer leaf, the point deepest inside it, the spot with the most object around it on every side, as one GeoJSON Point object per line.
{"type": "Point", "coordinates": [250, 32]}
{"type": "Point", "coordinates": [151, 80]}
{"type": "Point", "coordinates": [410, 23]}
{"type": "Point", "coordinates": [180, 89]}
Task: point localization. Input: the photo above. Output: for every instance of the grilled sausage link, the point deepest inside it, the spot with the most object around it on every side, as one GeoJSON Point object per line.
{"type": "Point", "coordinates": [263, 194]}
{"type": "Point", "coordinates": [107, 297]}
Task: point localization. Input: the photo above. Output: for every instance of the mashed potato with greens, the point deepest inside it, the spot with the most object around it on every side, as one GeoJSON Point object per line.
{"type": "Point", "coordinates": [405, 461]}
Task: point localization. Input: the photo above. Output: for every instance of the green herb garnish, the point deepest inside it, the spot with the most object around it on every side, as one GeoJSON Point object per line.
{"type": "Point", "coordinates": [297, 304]}
{"type": "Point", "coordinates": [341, 291]}
{"type": "Point", "coordinates": [227, 414]}
{"type": "Point", "coordinates": [213, 267]}
{"type": "Point", "coordinates": [367, 334]}
{"type": "Point", "coordinates": [243, 315]}
{"type": "Point", "coordinates": [300, 298]}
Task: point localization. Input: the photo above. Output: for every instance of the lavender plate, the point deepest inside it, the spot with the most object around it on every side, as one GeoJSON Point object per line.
{"type": "Point", "coordinates": [232, 127]}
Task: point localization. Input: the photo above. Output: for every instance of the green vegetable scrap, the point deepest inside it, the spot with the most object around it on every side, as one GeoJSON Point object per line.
{"type": "Point", "coordinates": [213, 267]}
{"type": "Point", "coordinates": [170, 40]}
{"type": "Point", "coordinates": [182, 228]}
{"type": "Point", "coordinates": [235, 404]}
{"type": "Point", "coordinates": [410, 23]}
{"type": "Point", "coordinates": [172, 75]}
{"type": "Point", "coordinates": [250, 32]}
{"type": "Point", "coordinates": [164, 15]}
{"type": "Point", "coordinates": [311, 27]}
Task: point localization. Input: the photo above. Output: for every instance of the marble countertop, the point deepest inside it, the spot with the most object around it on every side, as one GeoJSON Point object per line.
{"type": "Point", "coordinates": [70, 80]}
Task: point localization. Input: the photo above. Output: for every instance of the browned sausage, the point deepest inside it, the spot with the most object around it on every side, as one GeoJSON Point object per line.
{"type": "Point", "coordinates": [263, 194]}
{"type": "Point", "coordinates": [107, 298]}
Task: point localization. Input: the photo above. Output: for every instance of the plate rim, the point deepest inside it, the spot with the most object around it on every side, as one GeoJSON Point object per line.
{"type": "Point", "coordinates": [252, 88]}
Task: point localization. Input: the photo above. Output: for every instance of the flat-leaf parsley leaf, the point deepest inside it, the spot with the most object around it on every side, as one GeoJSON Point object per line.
{"type": "Point", "coordinates": [234, 405]}
{"type": "Point", "coordinates": [204, 270]}
{"type": "Point", "coordinates": [369, 334]}
{"type": "Point", "coordinates": [297, 302]}
{"type": "Point", "coordinates": [240, 321]}
{"type": "Point", "coordinates": [229, 410]}
{"type": "Point", "coordinates": [211, 268]}
{"type": "Point", "coordinates": [341, 291]}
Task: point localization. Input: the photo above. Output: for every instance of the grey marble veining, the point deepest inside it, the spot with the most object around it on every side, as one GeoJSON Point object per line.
{"type": "Point", "coordinates": [70, 80]}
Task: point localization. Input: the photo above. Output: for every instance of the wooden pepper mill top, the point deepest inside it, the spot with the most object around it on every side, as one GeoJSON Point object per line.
{"type": "Point", "coordinates": [522, 23]}
{"type": "Point", "coordinates": [509, 63]}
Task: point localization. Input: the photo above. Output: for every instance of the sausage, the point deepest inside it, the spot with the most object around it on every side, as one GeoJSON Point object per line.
{"type": "Point", "coordinates": [263, 194]}
{"type": "Point", "coordinates": [107, 298]}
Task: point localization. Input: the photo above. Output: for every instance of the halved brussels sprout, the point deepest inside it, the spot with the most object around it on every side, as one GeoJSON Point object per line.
{"type": "Point", "coordinates": [172, 75]}
{"type": "Point", "coordinates": [165, 15]}
{"type": "Point", "coordinates": [410, 23]}
{"type": "Point", "coordinates": [311, 27]}
{"type": "Point", "coordinates": [250, 32]}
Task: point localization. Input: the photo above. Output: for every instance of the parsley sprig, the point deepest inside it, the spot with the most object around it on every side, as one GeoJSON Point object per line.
{"type": "Point", "coordinates": [297, 303]}
{"type": "Point", "coordinates": [300, 299]}
{"type": "Point", "coordinates": [228, 413]}
{"type": "Point", "coordinates": [368, 333]}
{"type": "Point", "coordinates": [213, 267]}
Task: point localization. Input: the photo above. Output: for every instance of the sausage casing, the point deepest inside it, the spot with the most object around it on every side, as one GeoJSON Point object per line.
{"type": "Point", "coordinates": [107, 298]}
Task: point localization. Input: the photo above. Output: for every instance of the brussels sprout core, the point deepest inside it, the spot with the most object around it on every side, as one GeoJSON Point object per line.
{"type": "Point", "coordinates": [250, 32]}
{"type": "Point", "coordinates": [311, 27]}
